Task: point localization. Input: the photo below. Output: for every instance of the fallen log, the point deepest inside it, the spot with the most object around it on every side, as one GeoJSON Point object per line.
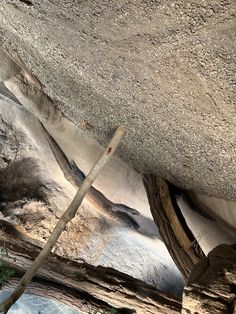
{"type": "Point", "coordinates": [59, 293]}
{"type": "Point", "coordinates": [106, 285]}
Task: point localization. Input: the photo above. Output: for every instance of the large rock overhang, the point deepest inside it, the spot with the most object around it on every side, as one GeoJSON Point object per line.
{"type": "Point", "coordinates": [163, 70]}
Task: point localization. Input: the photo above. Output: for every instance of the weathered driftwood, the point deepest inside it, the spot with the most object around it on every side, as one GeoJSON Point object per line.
{"type": "Point", "coordinates": [179, 240]}
{"type": "Point", "coordinates": [212, 284]}
{"type": "Point", "coordinates": [105, 285]}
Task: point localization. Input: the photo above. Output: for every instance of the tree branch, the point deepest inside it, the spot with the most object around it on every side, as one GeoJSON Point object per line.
{"type": "Point", "coordinates": [178, 238]}
{"type": "Point", "coordinates": [66, 217]}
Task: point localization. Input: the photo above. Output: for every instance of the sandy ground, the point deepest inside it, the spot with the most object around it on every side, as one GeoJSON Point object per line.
{"type": "Point", "coordinates": [163, 69]}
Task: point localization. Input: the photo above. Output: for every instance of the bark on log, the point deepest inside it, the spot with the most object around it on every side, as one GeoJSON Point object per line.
{"type": "Point", "coordinates": [212, 284]}
{"type": "Point", "coordinates": [60, 293]}
{"type": "Point", "coordinates": [180, 242]}
{"type": "Point", "coordinates": [103, 284]}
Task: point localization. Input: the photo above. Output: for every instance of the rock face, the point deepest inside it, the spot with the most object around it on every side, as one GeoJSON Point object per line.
{"type": "Point", "coordinates": [212, 284]}
{"type": "Point", "coordinates": [164, 69]}
{"type": "Point", "coordinates": [34, 193]}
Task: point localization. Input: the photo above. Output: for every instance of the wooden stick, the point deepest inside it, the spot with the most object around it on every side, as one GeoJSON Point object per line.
{"type": "Point", "coordinates": [66, 217]}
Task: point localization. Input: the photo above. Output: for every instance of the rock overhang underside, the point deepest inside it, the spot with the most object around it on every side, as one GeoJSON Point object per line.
{"type": "Point", "coordinates": [164, 70]}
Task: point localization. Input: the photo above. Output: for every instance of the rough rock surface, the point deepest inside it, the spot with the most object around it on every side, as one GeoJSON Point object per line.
{"type": "Point", "coordinates": [164, 69]}
{"type": "Point", "coordinates": [34, 193]}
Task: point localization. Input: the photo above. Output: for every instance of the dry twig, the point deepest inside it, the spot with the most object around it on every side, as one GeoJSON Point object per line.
{"type": "Point", "coordinates": [66, 217]}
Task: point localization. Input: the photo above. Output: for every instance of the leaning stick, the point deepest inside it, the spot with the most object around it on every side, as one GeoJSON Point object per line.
{"type": "Point", "coordinates": [66, 217]}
